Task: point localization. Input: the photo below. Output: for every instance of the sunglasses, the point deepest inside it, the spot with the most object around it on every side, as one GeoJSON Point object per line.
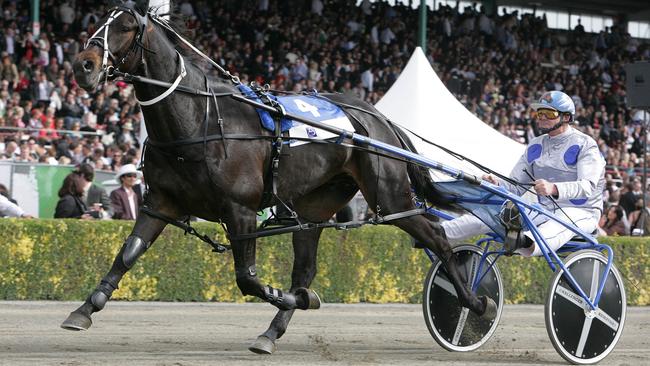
{"type": "Point", "coordinates": [547, 113]}
{"type": "Point", "coordinates": [130, 175]}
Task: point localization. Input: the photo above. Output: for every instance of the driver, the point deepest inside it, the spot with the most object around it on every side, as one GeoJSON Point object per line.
{"type": "Point", "coordinates": [566, 170]}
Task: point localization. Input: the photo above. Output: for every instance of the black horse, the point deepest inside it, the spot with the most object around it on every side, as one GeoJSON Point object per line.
{"type": "Point", "coordinates": [224, 180]}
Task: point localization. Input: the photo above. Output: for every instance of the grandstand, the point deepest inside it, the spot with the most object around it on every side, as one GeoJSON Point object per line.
{"type": "Point", "coordinates": [496, 57]}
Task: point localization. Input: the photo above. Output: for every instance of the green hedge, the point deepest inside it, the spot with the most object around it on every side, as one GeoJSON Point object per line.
{"type": "Point", "coordinates": [65, 259]}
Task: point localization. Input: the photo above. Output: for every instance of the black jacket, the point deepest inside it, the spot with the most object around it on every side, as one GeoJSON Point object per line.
{"type": "Point", "coordinates": [69, 206]}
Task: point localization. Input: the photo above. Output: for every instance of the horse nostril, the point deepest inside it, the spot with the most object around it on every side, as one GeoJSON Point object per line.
{"type": "Point", "coordinates": [88, 65]}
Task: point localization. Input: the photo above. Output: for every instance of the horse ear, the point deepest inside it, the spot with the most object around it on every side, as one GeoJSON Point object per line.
{"type": "Point", "coordinates": [142, 6]}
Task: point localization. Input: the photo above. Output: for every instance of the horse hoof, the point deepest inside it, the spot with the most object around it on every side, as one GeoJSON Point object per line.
{"type": "Point", "coordinates": [490, 312]}
{"type": "Point", "coordinates": [77, 321]}
{"type": "Point", "coordinates": [263, 345]}
{"type": "Point", "coordinates": [309, 297]}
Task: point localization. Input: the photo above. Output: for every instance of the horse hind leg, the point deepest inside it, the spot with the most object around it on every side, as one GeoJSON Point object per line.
{"type": "Point", "coordinates": [144, 233]}
{"type": "Point", "coordinates": [385, 186]}
{"type": "Point", "coordinates": [432, 235]}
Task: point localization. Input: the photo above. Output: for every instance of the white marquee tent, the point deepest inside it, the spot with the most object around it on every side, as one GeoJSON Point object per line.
{"type": "Point", "coordinates": [419, 101]}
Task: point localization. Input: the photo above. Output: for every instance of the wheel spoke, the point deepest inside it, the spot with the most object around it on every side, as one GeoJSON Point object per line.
{"type": "Point", "coordinates": [473, 267]}
{"type": "Point", "coordinates": [460, 326]}
{"type": "Point", "coordinates": [445, 285]}
{"type": "Point", "coordinates": [606, 319]}
{"type": "Point", "coordinates": [586, 327]}
{"type": "Point", "coordinates": [571, 296]}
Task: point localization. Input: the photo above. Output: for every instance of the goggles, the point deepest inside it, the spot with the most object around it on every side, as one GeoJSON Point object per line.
{"type": "Point", "coordinates": [546, 113]}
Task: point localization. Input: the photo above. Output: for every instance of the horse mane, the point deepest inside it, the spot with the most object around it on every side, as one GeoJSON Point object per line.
{"type": "Point", "coordinates": [177, 22]}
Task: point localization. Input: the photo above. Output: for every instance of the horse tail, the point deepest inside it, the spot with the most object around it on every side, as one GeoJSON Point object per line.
{"type": "Point", "coordinates": [420, 178]}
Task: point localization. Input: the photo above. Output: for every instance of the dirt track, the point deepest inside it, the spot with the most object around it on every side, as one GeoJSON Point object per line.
{"type": "Point", "coordinates": [219, 334]}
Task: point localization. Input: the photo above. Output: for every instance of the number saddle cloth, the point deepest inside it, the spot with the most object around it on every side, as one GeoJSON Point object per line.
{"type": "Point", "coordinates": [308, 106]}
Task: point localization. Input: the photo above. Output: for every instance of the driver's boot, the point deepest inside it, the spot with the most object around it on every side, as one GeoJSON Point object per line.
{"type": "Point", "coordinates": [515, 238]}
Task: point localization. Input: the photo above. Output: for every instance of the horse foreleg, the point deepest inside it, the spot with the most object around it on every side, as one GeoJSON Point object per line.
{"type": "Point", "coordinates": [144, 233]}
{"type": "Point", "coordinates": [241, 221]}
{"type": "Point", "coordinates": [249, 284]}
{"type": "Point", "coordinates": [305, 248]}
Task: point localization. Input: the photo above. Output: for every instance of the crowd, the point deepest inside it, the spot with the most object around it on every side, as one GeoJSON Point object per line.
{"type": "Point", "coordinates": [80, 198]}
{"type": "Point", "coordinates": [495, 65]}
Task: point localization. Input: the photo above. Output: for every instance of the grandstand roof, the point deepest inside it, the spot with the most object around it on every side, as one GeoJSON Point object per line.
{"type": "Point", "coordinates": [635, 9]}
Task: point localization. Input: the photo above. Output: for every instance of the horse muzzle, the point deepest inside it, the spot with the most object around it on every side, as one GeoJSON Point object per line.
{"type": "Point", "coordinates": [87, 70]}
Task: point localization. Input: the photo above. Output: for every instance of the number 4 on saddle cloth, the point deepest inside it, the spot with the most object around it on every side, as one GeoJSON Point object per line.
{"type": "Point", "coordinates": [309, 106]}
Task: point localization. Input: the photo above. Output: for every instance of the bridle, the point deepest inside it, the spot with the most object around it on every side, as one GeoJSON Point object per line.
{"type": "Point", "coordinates": [100, 39]}
{"type": "Point", "coordinates": [109, 72]}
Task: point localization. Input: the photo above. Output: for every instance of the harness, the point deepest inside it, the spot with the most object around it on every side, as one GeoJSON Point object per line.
{"type": "Point", "coordinates": [266, 103]}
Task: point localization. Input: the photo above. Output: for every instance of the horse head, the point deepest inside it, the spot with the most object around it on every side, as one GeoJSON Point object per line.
{"type": "Point", "coordinates": [117, 44]}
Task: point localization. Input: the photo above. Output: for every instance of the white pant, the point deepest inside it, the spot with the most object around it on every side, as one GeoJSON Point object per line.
{"type": "Point", "coordinates": [555, 234]}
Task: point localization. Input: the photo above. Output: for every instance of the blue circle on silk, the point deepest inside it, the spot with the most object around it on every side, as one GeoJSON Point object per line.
{"type": "Point", "coordinates": [571, 155]}
{"type": "Point", "coordinates": [578, 201]}
{"type": "Point", "coordinates": [534, 152]}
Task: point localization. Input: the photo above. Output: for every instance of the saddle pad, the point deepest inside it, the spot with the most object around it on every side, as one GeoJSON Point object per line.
{"type": "Point", "coordinates": [309, 107]}
{"type": "Point", "coordinates": [315, 109]}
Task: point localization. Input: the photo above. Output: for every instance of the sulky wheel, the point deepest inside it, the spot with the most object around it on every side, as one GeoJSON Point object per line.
{"type": "Point", "coordinates": [579, 334]}
{"type": "Point", "coordinates": [456, 328]}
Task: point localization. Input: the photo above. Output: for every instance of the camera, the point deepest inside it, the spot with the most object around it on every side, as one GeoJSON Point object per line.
{"type": "Point", "coordinates": [94, 214]}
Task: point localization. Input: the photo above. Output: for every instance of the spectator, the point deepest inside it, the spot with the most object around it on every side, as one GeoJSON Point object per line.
{"type": "Point", "coordinates": [640, 218]}
{"type": "Point", "coordinates": [127, 137]}
{"type": "Point", "coordinates": [126, 201]}
{"type": "Point", "coordinates": [117, 159]}
{"type": "Point", "coordinates": [8, 206]}
{"type": "Point", "coordinates": [631, 196]}
{"type": "Point", "coordinates": [66, 13]}
{"type": "Point", "coordinates": [70, 203]}
{"type": "Point", "coordinates": [42, 89]}
{"type": "Point", "coordinates": [9, 72]}
{"type": "Point", "coordinates": [94, 196]}
{"type": "Point", "coordinates": [11, 151]}
{"type": "Point", "coordinates": [612, 222]}
{"type": "Point", "coordinates": [71, 111]}
{"type": "Point", "coordinates": [10, 209]}
{"type": "Point", "coordinates": [5, 192]}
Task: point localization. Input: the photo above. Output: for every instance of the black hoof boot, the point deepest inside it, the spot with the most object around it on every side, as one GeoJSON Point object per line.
{"type": "Point", "coordinates": [77, 321]}
{"type": "Point", "coordinates": [310, 299]}
{"type": "Point", "coordinates": [263, 345]}
{"type": "Point", "coordinates": [490, 311]}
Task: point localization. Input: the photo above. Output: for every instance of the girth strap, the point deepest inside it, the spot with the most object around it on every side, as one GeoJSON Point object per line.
{"type": "Point", "coordinates": [271, 188]}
